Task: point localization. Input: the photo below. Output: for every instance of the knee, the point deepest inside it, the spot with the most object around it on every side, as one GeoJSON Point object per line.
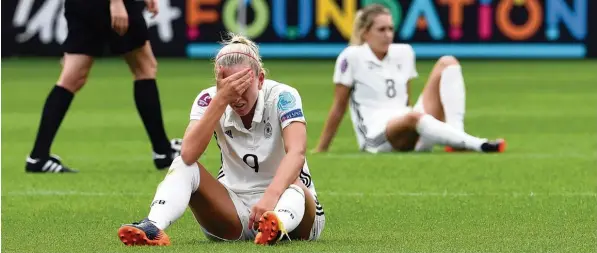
{"type": "Point", "coordinates": [179, 162]}
{"type": "Point", "coordinates": [176, 163]}
{"type": "Point", "coordinates": [73, 81]}
{"type": "Point", "coordinates": [188, 172]}
{"type": "Point", "coordinates": [447, 60]}
{"type": "Point", "coordinates": [296, 188]}
{"type": "Point", "coordinates": [412, 118]}
{"type": "Point", "coordinates": [187, 158]}
{"type": "Point", "coordinates": [146, 68]}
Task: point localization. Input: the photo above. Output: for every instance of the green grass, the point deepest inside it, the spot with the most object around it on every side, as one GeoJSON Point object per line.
{"type": "Point", "coordinates": [540, 196]}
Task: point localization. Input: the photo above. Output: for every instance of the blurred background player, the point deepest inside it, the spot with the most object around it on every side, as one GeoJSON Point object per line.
{"type": "Point", "coordinates": [264, 189]}
{"type": "Point", "coordinates": [374, 74]}
{"type": "Point", "coordinates": [91, 26]}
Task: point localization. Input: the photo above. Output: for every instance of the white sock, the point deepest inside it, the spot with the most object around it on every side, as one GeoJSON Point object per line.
{"type": "Point", "coordinates": [424, 145]}
{"type": "Point", "coordinates": [291, 207]}
{"type": "Point", "coordinates": [441, 133]}
{"type": "Point", "coordinates": [173, 194]}
{"type": "Point", "coordinates": [452, 95]}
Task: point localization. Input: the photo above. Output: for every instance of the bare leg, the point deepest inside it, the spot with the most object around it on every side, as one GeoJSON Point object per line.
{"type": "Point", "coordinates": [443, 97]}
{"type": "Point", "coordinates": [74, 74]}
{"type": "Point", "coordinates": [303, 231]}
{"type": "Point", "coordinates": [185, 185]}
{"type": "Point", "coordinates": [294, 213]}
{"type": "Point", "coordinates": [436, 131]}
{"type": "Point", "coordinates": [143, 66]}
{"type": "Point", "coordinates": [213, 208]}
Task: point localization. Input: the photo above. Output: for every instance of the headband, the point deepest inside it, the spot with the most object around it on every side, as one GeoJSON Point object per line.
{"type": "Point", "coordinates": [236, 52]}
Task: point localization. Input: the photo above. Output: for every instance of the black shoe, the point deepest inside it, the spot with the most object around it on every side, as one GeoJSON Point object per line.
{"type": "Point", "coordinates": [52, 164]}
{"type": "Point", "coordinates": [497, 146]}
{"type": "Point", "coordinates": [163, 161]}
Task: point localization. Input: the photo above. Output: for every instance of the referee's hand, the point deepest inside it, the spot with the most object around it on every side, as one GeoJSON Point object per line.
{"type": "Point", "coordinates": [152, 6]}
{"type": "Point", "coordinates": [120, 18]}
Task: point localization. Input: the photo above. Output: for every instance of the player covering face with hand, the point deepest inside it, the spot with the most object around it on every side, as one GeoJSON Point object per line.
{"type": "Point", "coordinates": [263, 191]}
{"type": "Point", "coordinates": [373, 75]}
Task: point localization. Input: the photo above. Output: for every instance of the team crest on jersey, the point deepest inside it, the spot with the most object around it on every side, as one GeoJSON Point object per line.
{"type": "Point", "coordinates": [204, 100]}
{"type": "Point", "coordinates": [268, 130]}
{"type": "Point", "coordinates": [286, 101]}
{"type": "Point", "coordinates": [344, 65]}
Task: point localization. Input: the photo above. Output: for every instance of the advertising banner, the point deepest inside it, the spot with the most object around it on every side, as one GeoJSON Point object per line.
{"type": "Point", "coordinates": [466, 28]}
{"type": "Point", "coordinates": [495, 29]}
{"type": "Point", "coordinates": [38, 27]}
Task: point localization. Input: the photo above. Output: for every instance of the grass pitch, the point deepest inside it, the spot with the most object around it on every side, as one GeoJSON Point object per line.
{"type": "Point", "coordinates": [539, 196]}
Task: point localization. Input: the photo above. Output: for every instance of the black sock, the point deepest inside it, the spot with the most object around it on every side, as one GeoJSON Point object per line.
{"type": "Point", "coordinates": [54, 110]}
{"type": "Point", "coordinates": [148, 105]}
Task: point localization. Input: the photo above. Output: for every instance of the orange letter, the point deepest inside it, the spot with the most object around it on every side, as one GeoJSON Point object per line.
{"type": "Point", "coordinates": [197, 16]}
{"type": "Point", "coordinates": [519, 32]}
{"type": "Point", "coordinates": [456, 7]}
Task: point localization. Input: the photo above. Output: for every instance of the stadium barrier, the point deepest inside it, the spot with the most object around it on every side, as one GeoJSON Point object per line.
{"type": "Point", "coordinates": [496, 29]}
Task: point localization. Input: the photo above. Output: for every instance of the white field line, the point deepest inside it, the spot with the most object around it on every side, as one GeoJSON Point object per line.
{"type": "Point", "coordinates": [431, 155]}
{"type": "Point", "coordinates": [323, 193]}
{"type": "Point", "coordinates": [397, 156]}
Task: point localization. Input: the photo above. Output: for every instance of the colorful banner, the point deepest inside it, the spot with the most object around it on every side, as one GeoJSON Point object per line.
{"type": "Point", "coordinates": [321, 28]}
{"type": "Point", "coordinates": [465, 28]}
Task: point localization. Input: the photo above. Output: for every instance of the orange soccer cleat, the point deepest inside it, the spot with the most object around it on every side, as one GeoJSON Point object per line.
{"type": "Point", "coordinates": [271, 230]}
{"type": "Point", "coordinates": [143, 233]}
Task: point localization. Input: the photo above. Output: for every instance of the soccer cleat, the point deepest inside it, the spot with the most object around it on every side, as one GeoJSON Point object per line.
{"type": "Point", "coordinates": [52, 164]}
{"type": "Point", "coordinates": [142, 233]}
{"type": "Point", "coordinates": [163, 161]}
{"type": "Point", "coordinates": [270, 230]}
{"type": "Point", "coordinates": [497, 146]}
{"type": "Point", "coordinates": [451, 149]}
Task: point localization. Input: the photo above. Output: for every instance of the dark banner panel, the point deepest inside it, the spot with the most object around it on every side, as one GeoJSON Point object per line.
{"type": "Point", "coordinates": [38, 27]}
{"type": "Point", "coordinates": [321, 28]}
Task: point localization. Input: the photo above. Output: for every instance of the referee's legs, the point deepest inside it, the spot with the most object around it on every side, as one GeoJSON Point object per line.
{"type": "Point", "coordinates": [74, 75]}
{"type": "Point", "coordinates": [75, 69]}
{"type": "Point", "coordinates": [143, 66]}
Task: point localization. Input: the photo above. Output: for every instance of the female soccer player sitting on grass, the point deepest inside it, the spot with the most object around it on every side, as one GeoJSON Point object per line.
{"type": "Point", "coordinates": [264, 189]}
{"type": "Point", "coordinates": [374, 74]}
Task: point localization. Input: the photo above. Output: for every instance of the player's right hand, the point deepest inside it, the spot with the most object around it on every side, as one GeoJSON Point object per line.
{"type": "Point", "coordinates": [152, 7]}
{"type": "Point", "coordinates": [120, 18]}
{"type": "Point", "coordinates": [234, 86]}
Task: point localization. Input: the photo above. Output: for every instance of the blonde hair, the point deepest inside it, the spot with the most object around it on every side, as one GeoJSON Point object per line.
{"type": "Point", "coordinates": [364, 20]}
{"type": "Point", "coordinates": [238, 50]}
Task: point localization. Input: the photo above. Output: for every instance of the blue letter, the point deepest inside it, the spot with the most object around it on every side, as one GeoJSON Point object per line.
{"type": "Point", "coordinates": [279, 19]}
{"type": "Point", "coordinates": [422, 8]}
{"type": "Point", "coordinates": [575, 20]}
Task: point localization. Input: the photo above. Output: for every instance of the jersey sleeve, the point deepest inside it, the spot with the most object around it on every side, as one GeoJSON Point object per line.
{"type": "Point", "coordinates": [290, 107]}
{"type": "Point", "coordinates": [413, 68]}
{"type": "Point", "coordinates": [343, 71]}
{"type": "Point", "coordinates": [200, 104]}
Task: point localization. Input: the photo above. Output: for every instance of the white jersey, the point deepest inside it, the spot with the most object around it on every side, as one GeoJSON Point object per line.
{"type": "Point", "coordinates": [250, 157]}
{"type": "Point", "coordinates": [378, 87]}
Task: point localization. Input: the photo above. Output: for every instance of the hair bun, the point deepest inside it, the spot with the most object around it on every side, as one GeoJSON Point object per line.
{"type": "Point", "coordinates": [239, 39]}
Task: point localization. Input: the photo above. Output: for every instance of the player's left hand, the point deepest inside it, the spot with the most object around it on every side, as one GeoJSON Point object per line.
{"type": "Point", "coordinates": [152, 6]}
{"type": "Point", "coordinates": [266, 203]}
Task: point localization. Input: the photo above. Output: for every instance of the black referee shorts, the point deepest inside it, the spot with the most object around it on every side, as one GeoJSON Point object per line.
{"type": "Point", "coordinates": [90, 28]}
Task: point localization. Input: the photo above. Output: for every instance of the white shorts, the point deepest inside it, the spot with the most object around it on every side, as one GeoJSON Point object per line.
{"type": "Point", "coordinates": [376, 141]}
{"type": "Point", "coordinates": [243, 203]}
